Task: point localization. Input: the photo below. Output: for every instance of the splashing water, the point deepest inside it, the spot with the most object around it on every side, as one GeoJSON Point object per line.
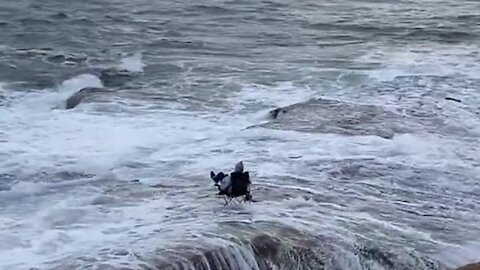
{"type": "Point", "coordinates": [132, 63]}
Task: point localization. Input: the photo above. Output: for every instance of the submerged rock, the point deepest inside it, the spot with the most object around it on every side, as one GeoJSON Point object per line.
{"type": "Point", "coordinates": [345, 118]}
{"type": "Point", "coordinates": [83, 94]}
{"type": "Point", "coordinates": [331, 116]}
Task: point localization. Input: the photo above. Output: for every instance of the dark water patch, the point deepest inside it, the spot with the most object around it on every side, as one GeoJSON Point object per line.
{"type": "Point", "coordinates": [211, 10]}
{"type": "Point", "coordinates": [24, 78]}
{"type": "Point", "coordinates": [276, 4]}
{"type": "Point", "coordinates": [467, 20]}
{"type": "Point", "coordinates": [25, 83]}
{"type": "Point", "coordinates": [338, 37]}
{"type": "Point", "coordinates": [104, 200]}
{"type": "Point", "coordinates": [56, 58]}
{"type": "Point", "coordinates": [69, 175]}
{"type": "Point", "coordinates": [47, 177]}
{"type": "Point", "coordinates": [174, 34]}
{"type": "Point", "coordinates": [440, 35]}
{"type": "Point", "coordinates": [277, 40]}
{"type": "Point", "coordinates": [117, 18]}
{"type": "Point", "coordinates": [41, 38]}
{"type": "Point", "coordinates": [164, 69]}
{"type": "Point", "coordinates": [83, 21]}
{"type": "Point", "coordinates": [3, 100]}
{"type": "Point", "coordinates": [59, 58]}
{"type": "Point", "coordinates": [115, 78]}
{"type": "Point", "coordinates": [33, 52]}
{"type": "Point", "coordinates": [271, 20]}
{"type": "Point", "coordinates": [176, 44]}
{"type": "Point", "coordinates": [370, 30]}
{"type": "Point", "coordinates": [6, 180]}
{"type": "Point", "coordinates": [34, 21]}
{"type": "Point", "coordinates": [60, 16]}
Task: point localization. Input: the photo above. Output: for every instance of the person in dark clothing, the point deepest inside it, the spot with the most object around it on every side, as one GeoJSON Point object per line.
{"type": "Point", "coordinates": [235, 185]}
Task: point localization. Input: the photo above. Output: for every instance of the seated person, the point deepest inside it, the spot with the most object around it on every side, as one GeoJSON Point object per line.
{"type": "Point", "coordinates": [238, 184]}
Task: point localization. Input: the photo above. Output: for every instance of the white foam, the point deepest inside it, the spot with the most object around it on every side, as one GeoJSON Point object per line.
{"type": "Point", "coordinates": [426, 150]}
{"type": "Point", "coordinates": [39, 101]}
{"type": "Point", "coordinates": [168, 147]}
{"type": "Point", "coordinates": [81, 81]}
{"type": "Point", "coordinates": [133, 63]}
{"type": "Point", "coordinates": [459, 255]}
{"type": "Point", "coordinates": [279, 95]}
{"type": "Point", "coordinates": [436, 61]}
{"type": "Point", "coordinates": [36, 139]}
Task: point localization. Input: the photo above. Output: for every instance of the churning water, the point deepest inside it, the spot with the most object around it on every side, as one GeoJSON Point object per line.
{"type": "Point", "coordinates": [371, 160]}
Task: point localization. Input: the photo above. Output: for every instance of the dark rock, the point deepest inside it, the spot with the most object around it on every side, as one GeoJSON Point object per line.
{"type": "Point", "coordinates": [276, 247]}
{"type": "Point", "coordinates": [274, 113]}
{"type": "Point", "coordinates": [472, 266]}
{"type": "Point", "coordinates": [453, 99]}
{"type": "Point", "coordinates": [266, 246]}
{"type": "Point", "coordinates": [82, 94]}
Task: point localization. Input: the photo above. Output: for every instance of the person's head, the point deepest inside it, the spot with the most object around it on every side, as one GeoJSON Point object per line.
{"type": "Point", "coordinates": [239, 167]}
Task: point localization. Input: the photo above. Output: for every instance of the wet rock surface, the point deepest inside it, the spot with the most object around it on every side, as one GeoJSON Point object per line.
{"type": "Point", "coordinates": [266, 252]}
{"type": "Point", "coordinates": [346, 118]}
{"type": "Point", "coordinates": [279, 247]}
{"type": "Point", "coordinates": [472, 266]}
{"type": "Point", "coordinates": [83, 94]}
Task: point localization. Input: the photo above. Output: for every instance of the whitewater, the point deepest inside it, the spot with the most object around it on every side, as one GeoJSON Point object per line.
{"type": "Point", "coordinates": [371, 160]}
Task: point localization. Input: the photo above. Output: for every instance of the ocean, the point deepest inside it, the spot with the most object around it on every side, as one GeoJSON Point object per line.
{"type": "Point", "coordinates": [358, 121]}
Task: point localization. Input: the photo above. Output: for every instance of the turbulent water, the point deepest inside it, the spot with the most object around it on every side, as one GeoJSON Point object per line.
{"type": "Point", "coordinates": [358, 121]}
